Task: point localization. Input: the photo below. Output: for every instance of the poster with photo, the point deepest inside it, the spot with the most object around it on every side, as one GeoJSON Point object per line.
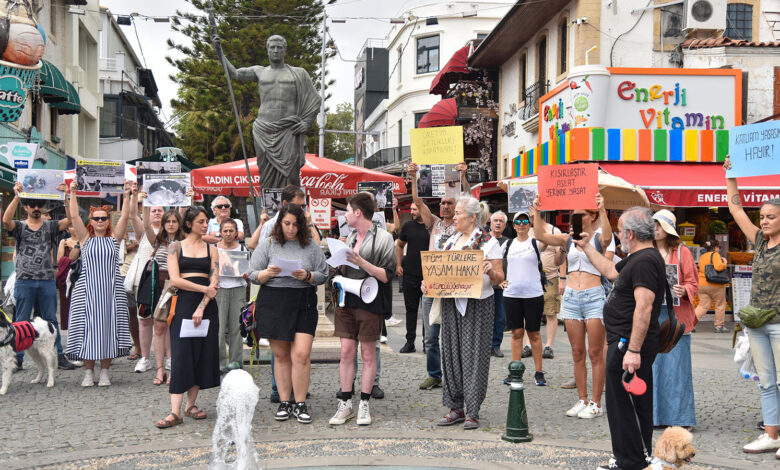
{"type": "Point", "coordinates": [437, 181]}
{"type": "Point", "coordinates": [521, 195]}
{"type": "Point", "coordinates": [155, 168]}
{"type": "Point", "coordinates": [100, 176]}
{"type": "Point", "coordinates": [382, 191]}
{"type": "Point", "coordinates": [233, 263]}
{"type": "Point", "coordinates": [41, 184]}
{"type": "Point", "coordinates": [167, 190]}
{"type": "Point", "coordinates": [672, 278]}
{"type": "Point", "coordinates": [272, 200]}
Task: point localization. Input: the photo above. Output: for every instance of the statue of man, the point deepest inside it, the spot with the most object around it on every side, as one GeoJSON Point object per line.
{"type": "Point", "coordinates": [288, 106]}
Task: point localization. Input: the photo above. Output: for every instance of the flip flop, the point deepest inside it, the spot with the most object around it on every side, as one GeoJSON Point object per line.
{"type": "Point", "coordinates": [199, 414]}
{"type": "Point", "coordinates": [169, 423]}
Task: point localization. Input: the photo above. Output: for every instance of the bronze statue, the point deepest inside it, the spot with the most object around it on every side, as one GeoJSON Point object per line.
{"type": "Point", "coordinates": [288, 106]}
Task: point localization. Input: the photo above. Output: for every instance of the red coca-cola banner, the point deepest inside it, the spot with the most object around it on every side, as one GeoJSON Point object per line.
{"type": "Point", "coordinates": [714, 197]}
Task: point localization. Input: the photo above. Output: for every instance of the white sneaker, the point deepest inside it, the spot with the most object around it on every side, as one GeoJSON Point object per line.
{"type": "Point", "coordinates": [77, 363]}
{"type": "Point", "coordinates": [143, 365]}
{"type": "Point", "coordinates": [89, 379]}
{"type": "Point", "coordinates": [167, 363]}
{"type": "Point", "coordinates": [383, 339]}
{"type": "Point", "coordinates": [764, 443]}
{"type": "Point", "coordinates": [777, 455]}
{"type": "Point", "coordinates": [575, 410]}
{"type": "Point", "coordinates": [104, 380]}
{"type": "Point", "coordinates": [364, 414]}
{"type": "Point", "coordinates": [263, 342]}
{"type": "Point", "coordinates": [591, 411]}
{"type": "Point", "coordinates": [392, 321]}
{"type": "Point", "coordinates": [343, 413]}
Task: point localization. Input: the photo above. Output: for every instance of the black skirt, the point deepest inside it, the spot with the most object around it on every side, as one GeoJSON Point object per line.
{"type": "Point", "coordinates": [281, 312]}
{"type": "Point", "coordinates": [194, 361]}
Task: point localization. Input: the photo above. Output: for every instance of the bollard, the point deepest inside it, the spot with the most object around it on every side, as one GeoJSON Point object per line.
{"type": "Point", "coordinates": [516, 417]}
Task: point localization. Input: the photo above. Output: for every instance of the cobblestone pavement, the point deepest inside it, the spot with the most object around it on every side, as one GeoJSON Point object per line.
{"type": "Point", "coordinates": [113, 427]}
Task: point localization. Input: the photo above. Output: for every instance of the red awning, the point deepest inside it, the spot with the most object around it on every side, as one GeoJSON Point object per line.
{"type": "Point", "coordinates": [692, 184]}
{"type": "Point", "coordinates": [323, 177]}
{"type": "Point", "coordinates": [443, 113]}
{"type": "Point", "coordinates": [454, 67]}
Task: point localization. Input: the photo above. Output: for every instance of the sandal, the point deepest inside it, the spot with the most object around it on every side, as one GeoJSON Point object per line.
{"type": "Point", "coordinates": [158, 380]}
{"type": "Point", "coordinates": [169, 423]}
{"type": "Point", "coordinates": [134, 356]}
{"type": "Point", "coordinates": [198, 414]}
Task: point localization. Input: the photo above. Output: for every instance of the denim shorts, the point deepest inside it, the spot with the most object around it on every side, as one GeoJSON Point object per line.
{"type": "Point", "coordinates": [582, 304]}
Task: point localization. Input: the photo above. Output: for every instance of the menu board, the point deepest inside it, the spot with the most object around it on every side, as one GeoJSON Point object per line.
{"type": "Point", "coordinates": [741, 283]}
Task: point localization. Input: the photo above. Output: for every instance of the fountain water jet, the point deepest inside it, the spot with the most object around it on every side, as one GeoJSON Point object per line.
{"type": "Point", "coordinates": [236, 403]}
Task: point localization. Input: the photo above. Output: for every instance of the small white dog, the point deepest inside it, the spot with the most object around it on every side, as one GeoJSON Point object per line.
{"type": "Point", "coordinates": [37, 337]}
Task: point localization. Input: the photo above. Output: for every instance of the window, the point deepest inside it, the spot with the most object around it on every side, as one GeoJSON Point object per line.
{"type": "Point", "coordinates": [417, 117]}
{"type": "Point", "coordinates": [428, 54]}
{"type": "Point", "coordinates": [541, 60]}
{"type": "Point", "coordinates": [739, 21]}
{"type": "Point", "coordinates": [53, 122]}
{"type": "Point", "coordinates": [481, 36]}
{"type": "Point", "coordinates": [109, 114]}
{"type": "Point", "coordinates": [400, 62]}
{"type": "Point", "coordinates": [563, 46]}
{"type": "Point", "coordinates": [523, 75]}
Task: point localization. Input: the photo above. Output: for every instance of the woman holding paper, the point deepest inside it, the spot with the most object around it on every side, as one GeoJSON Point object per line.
{"type": "Point", "coordinates": [287, 305]}
{"type": "Point", "coordinates": [230, 298]}
{"type": "Point", "coordinates": [192, 266]}
{"type": "Point", "coordinates": [582, 303]}
{"type": "Point", "coordinates": [467, 324]}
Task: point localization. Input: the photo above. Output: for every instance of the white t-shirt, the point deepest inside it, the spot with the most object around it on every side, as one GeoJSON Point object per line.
{"type": "Point", "coordinates": [578, 260]}
{"type": "Point", "coordinates": [522, 271]}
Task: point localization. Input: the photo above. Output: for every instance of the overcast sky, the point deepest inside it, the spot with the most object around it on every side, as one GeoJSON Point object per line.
{"type": "Point", "coordinates": [349, 38]}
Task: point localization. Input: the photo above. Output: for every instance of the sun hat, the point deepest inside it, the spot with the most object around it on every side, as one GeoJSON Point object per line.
{"type": "Point", "coordinates": [667, 220]}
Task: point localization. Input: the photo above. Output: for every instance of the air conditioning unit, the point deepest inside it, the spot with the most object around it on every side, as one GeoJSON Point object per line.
{"type": "Point", "coordinates": [704, 14]}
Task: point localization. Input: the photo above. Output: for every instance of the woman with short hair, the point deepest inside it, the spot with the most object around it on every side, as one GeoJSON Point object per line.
{"type": "Point", "coordinates": [287, 306]}
{"type": "Point", "coordinates": [230, 299]}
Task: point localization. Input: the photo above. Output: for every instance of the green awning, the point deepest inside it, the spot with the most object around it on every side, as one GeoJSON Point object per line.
{"type": "Point", "coordinates": [72, 105]}
{"type": "Point", "coordinates": [53, 86]}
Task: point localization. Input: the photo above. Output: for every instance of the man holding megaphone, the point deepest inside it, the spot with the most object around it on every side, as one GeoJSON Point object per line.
{"type": "Point", "coordinates": [365, 296]}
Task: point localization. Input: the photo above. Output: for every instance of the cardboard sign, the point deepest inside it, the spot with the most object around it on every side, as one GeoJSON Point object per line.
{"type": "Point", "coordinates": [437, 181]}
{"type": "Point", "coordinates": [320, 213]}
{"type": "Point", "coordinates": [453, 274]}
{"type": "Point", "coordinates": [754, 149]}
{"type": "Point", "coordinates": [568, 187]}
{"type": "Point", "coordinates": [437, 145]}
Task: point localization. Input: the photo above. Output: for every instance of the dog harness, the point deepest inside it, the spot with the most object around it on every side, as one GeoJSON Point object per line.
{"type": "Point", "coordinates": [24, 335]}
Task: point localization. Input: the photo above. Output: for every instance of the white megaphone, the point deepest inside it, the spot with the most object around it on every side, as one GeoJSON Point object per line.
{"type": "Point", "coordinates": [366, 289]}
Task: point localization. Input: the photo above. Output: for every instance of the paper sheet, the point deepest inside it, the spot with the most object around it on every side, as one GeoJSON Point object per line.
{"type": "Point", "coordinates": [338, 253]}
{"type": "Point", "coordinates": [287, 266]}
{"type": "Point", "coordinates": [188, 329]}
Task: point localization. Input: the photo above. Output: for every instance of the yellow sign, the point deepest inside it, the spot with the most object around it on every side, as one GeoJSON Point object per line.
{"type": "Point", "coordinates": [437, 145]}
{"type": "Point", "coordinates": [453, 274]}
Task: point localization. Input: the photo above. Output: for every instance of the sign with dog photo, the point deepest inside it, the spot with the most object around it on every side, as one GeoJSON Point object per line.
{"type": "Point", "coordinates": [41, 184]}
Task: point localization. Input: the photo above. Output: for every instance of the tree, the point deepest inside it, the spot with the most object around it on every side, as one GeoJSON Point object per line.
{"type": "Point", "coordinates": [207, 131]}
{"type": "Point", "coordinates": [337, 146]}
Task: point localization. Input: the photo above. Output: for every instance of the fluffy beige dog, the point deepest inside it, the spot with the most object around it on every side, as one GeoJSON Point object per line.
{"type": "Point", "coordinates": [673, 449]}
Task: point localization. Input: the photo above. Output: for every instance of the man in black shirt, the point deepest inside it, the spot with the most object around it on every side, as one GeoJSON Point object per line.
{"type": "Point", "coordinates": [415, 237]}
{"type": "Point", "coordinates": [631, 320]}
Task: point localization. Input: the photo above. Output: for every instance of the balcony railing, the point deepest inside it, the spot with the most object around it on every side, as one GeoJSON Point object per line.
{"type": "Point", "coordinates": [387, 156]}
{"type": "Point", "coordinates": [531, 97]}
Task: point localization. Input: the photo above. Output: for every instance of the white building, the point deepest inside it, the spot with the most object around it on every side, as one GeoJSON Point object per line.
{"type": "Point", "coordinates": [538, 43]}
{"type": "Point", "coordinates": [418, 49]}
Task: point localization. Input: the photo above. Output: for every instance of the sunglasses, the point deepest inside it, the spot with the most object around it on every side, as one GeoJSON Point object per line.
{"type": "Point", "coordinates": [99, 219]}
{"type": "Point", "coordinates": [222, 206]}
{"type": "Point", "coordinates": [36, 204]}
{"type": "Point", "coordinates": [522, 222]}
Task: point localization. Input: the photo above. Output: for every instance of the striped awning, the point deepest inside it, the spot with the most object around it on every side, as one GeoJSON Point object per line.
{"type": "Point", "coordinates": [53, 86]}
{"type": "Point", "coordinates": [71, 105]}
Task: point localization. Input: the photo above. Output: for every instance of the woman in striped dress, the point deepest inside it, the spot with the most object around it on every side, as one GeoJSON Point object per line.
{"type": "Point", "coordinates": [99, 327]}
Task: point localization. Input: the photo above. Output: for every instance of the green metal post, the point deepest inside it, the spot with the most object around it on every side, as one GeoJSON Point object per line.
{"type": "Point", "coordinates": [516, 417]}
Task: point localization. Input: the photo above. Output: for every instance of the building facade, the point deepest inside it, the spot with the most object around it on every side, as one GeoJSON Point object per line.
{"type": "Point", "coordinates": [371, 71]}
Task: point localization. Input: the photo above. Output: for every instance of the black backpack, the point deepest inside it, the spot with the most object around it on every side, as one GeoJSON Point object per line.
{"type": "Point", "coordinates": [542, 274]}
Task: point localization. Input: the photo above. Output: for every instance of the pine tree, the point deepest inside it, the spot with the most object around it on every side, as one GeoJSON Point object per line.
{"type": "Point", "coordinates": [207, 129]}
{"type": "Point", "coordinates": [337, 146]}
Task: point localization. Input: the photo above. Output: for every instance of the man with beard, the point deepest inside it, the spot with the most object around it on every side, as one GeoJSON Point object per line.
{"type": "Point", "coordinates": [36, 241]}
{"type": "Point", "coordinates": [440, 229]}
{"type": "Point", "coordinates": [415, 237]}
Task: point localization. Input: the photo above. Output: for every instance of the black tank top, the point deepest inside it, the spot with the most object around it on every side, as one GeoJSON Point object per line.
{"type": "Point", "coordinates": [188, 265]}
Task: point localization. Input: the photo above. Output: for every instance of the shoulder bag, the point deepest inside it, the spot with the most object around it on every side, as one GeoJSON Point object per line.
{"type": "Point", "coordinates": [671, 329]}
{"type": "Point", "coordinates": [714, 276]}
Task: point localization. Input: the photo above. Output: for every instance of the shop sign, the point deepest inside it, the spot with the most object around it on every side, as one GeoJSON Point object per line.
{"type": "Point", "coordinates": [12, 92]}
{"type": "Point", "coordinates": [708, 197]}
{"type": "Point", "coordinates": [636, 98]}
{"type": "Point", "coordinates": [18, 154]}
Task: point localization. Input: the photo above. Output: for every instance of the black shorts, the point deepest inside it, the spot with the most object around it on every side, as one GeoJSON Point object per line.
{"type": "Point", "coordinates": [281, 312]}
{"type": "Point", "coordinates": [524, 313]}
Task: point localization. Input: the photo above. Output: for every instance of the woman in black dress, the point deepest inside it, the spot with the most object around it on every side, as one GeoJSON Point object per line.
{"type": "Point", "coordinates": [192, 267]}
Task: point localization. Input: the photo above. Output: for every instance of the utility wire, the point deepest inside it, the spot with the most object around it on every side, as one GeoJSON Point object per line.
{"type": "Point", "coordinates": [139, 42]}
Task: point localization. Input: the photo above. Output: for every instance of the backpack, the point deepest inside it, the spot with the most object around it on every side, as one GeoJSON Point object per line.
{"type": "Point", "coordinates": [605, 283]}
{"type": "Point", "coordinates": [149, 287]}
{"type": "Point", "coordinates": [542, 274]}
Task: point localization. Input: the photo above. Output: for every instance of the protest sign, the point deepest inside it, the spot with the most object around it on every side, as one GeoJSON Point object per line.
{"type": "Point", "coordinates": [568, 187]}
{"type": "Point", "coordinates": [453, 274]}
{"type": "Point", "coordinates": [673, 279]}
{"type": "Point", "coordinates": [437, 145]}
{"type": "Point", "coordinates": [152, 168]}
{"type": "Point", "coordinates": [167, 190]}
{"type": "Point", "coordinates": [41, 184]}
{"type": "Point", "coordinates": [754, 149]}
{"type": "Point", "coordinates": [100, 176]}
{"type": "Point", "coordinates": [382, 191]}
{"type": "Point", "coordinates": [272, 200]}
{"type": "Point", "coordinates": [233, 263]}
{"type": "Point", "coordinates": [320, 212]}
{"type": "Point", "coordinates": [521, 195]}
{"type": "Point", "coordinates": [437, 181]}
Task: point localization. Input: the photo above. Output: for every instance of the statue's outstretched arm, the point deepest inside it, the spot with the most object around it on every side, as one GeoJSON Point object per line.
{"type": "Point", "coordinates": [244, 74]}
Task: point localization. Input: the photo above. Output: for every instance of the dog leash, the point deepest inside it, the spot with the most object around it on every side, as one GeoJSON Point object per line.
{"type": "Point", "coordinates": [6, 315]}
{"type": "Point", "coordinates": [638, 424]}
